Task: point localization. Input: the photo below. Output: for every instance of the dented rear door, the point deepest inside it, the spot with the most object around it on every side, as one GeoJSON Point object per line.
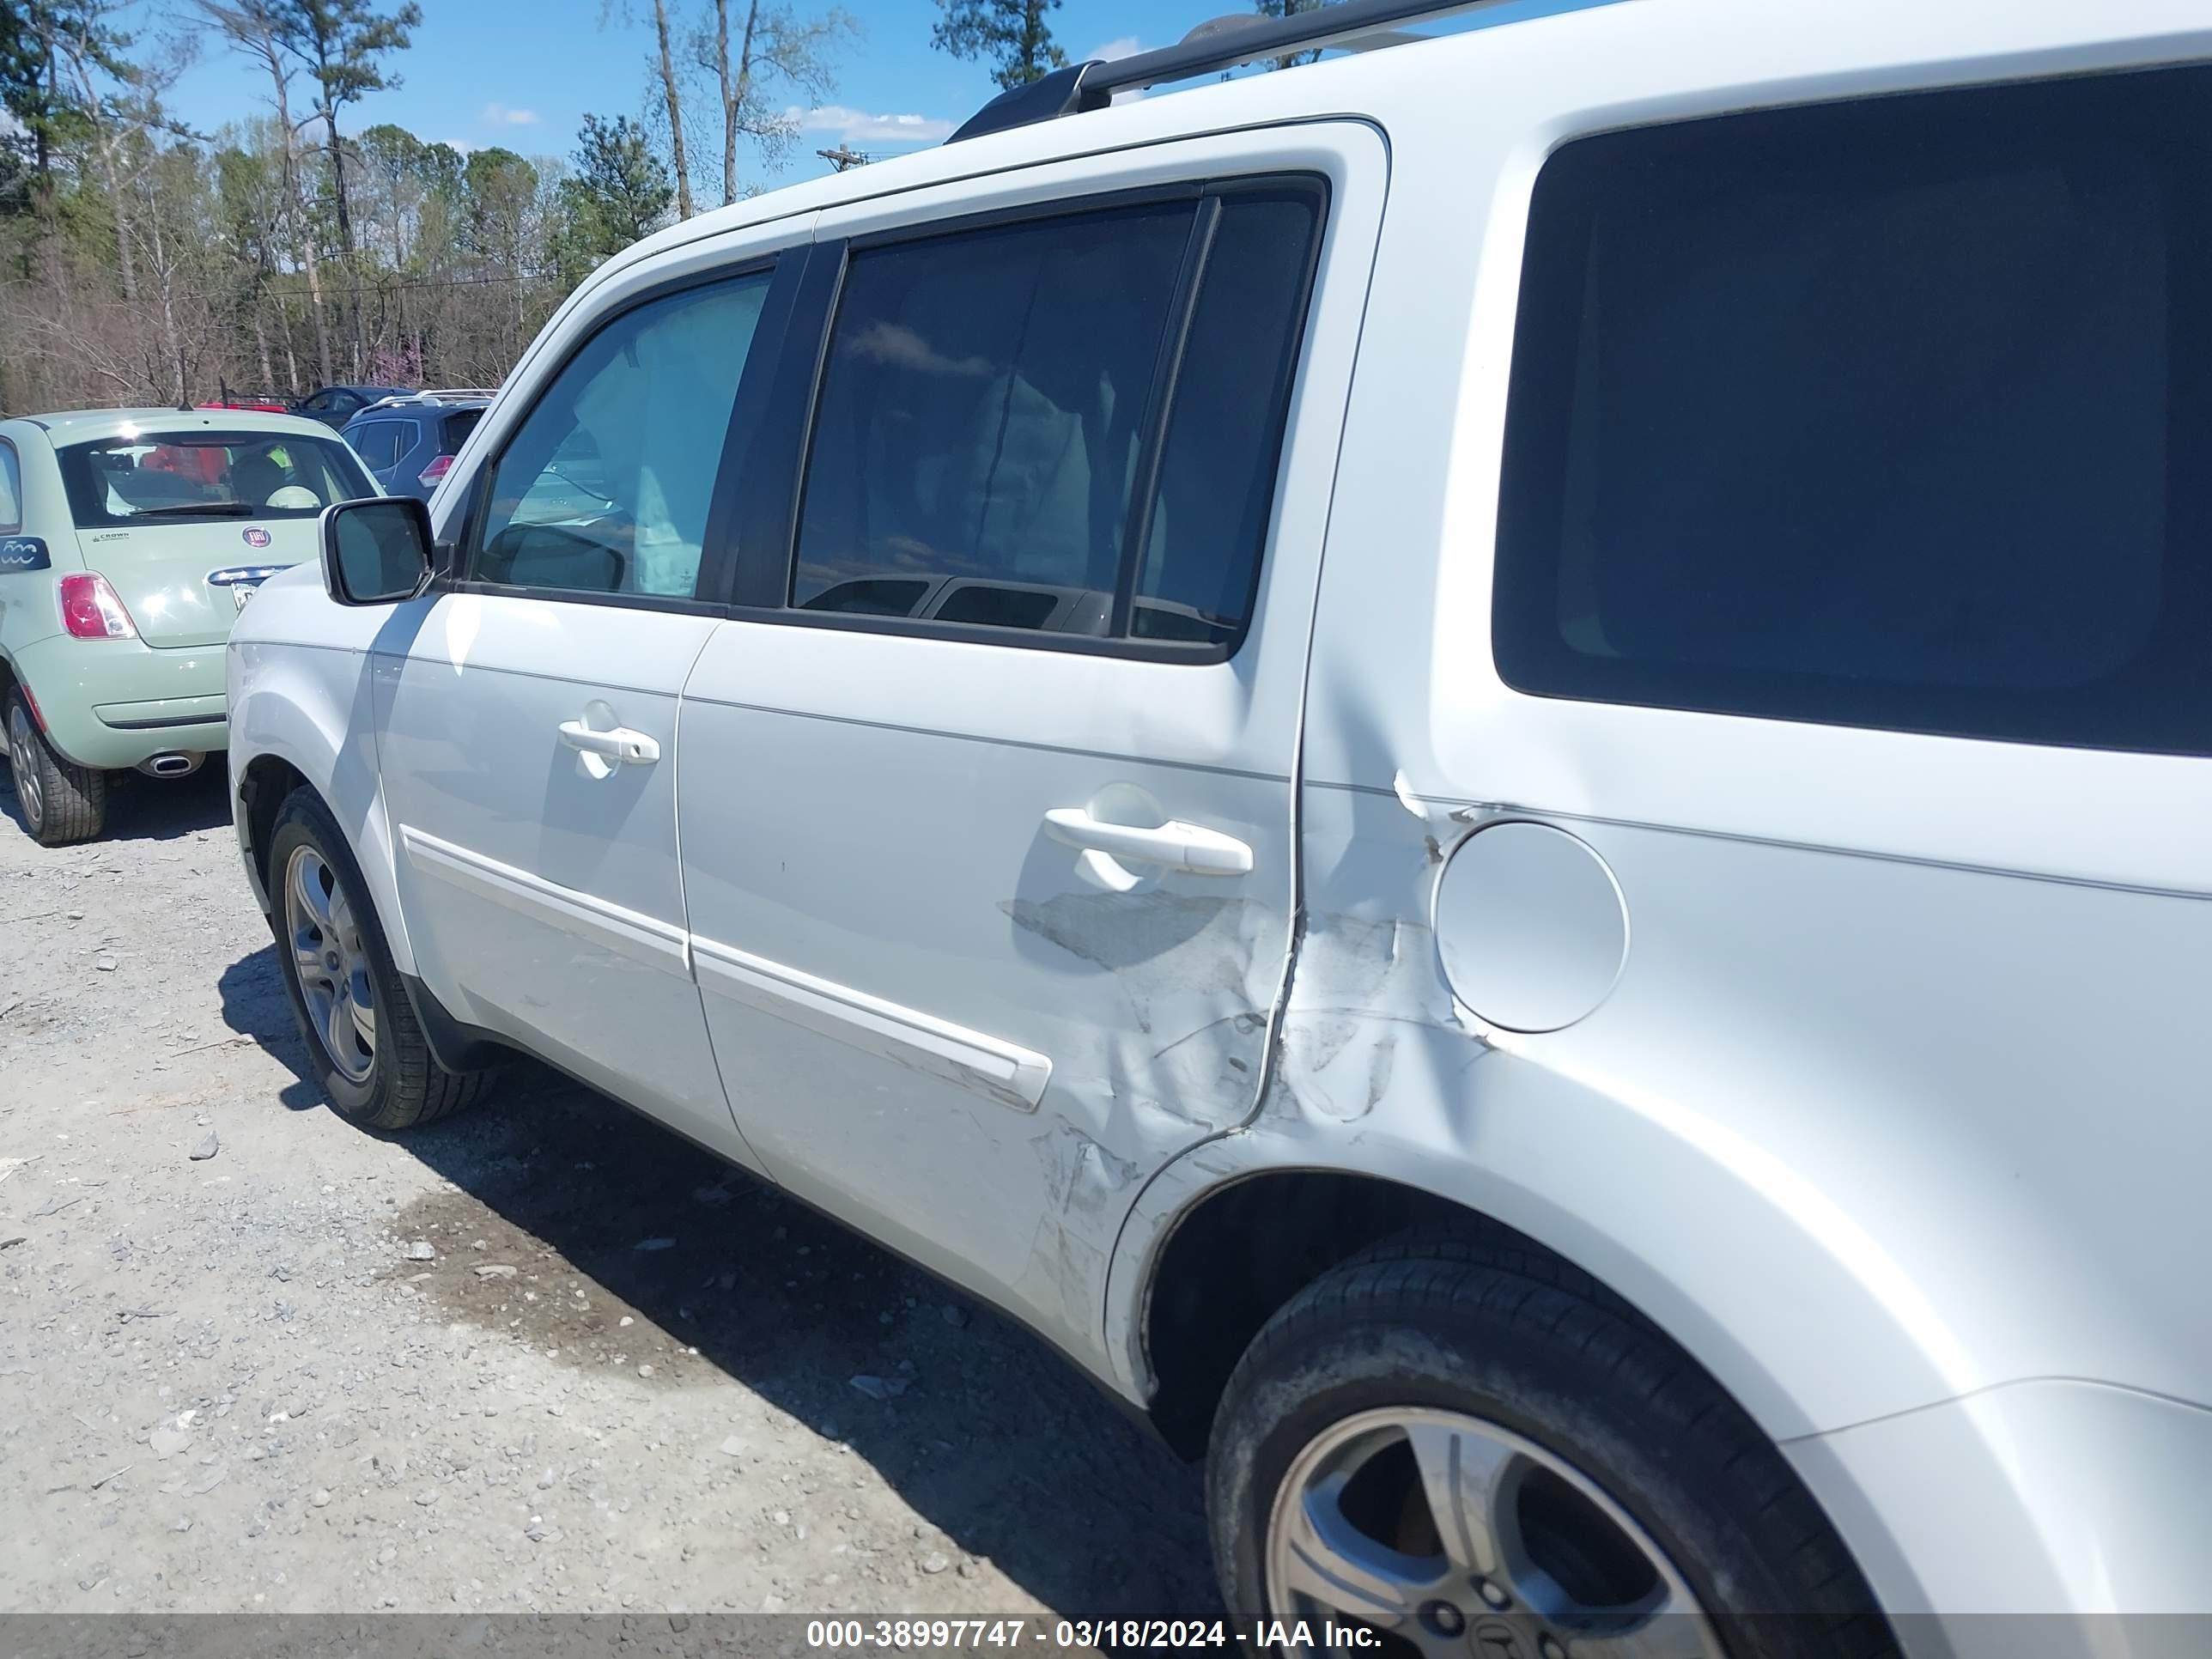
{"type": "Point", "coordinates": [986, 803]}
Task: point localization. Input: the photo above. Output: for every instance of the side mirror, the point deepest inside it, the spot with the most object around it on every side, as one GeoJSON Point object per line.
{"type": "Point", "coordinates": [376, 551]}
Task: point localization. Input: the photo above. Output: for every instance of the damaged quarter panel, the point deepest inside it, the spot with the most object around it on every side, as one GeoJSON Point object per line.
{"type": "Point", "coordinates": [939, 1013]}
{"type": "Point", "coordinates": [1899, 1094]}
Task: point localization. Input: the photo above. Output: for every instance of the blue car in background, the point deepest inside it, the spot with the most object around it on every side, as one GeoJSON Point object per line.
{"type": "Point", "coordinates": [410, 440]}
{"type": "Point", "coordinates": [334, 405]}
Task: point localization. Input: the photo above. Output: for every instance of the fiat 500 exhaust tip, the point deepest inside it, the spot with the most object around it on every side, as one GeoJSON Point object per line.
{"type": "Point", "coordinates": [173, 764]}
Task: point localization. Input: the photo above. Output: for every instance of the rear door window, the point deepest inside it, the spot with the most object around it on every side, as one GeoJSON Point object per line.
{"type": "Point", "coordinates": [981, 415]}
{"type": "Point", "coordinates": [380, 443]}
{"type": "Point", "coordinates": [1883, 413]}
{"type": "Point", "coordinates": [1057, 426]}
{"type": "Point", "coordinates": [11, 490]}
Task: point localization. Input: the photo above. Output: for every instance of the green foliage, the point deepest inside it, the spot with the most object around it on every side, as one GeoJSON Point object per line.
{"type": "Point", "coordinates": [37, 91]}
{"type": "Point", "coordinates": [340, 41]}
{"type": "Point", "coordinates": [619, 192]}
{"type": "Point", "coordinates": [143, 263]}
{"type": "Point", "coordinates": [1012, 35]}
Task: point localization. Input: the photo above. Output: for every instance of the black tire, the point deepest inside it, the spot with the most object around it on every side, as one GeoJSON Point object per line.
{"type": "Point", "coordinates": [1521, 1341]}
{"type": "Point", "coordinates": [66, 802]}
{"type": "Point", "coordinates": [406, 1087]}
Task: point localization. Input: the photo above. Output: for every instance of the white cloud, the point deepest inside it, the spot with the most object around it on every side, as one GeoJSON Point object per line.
{"type": "Point", "coordinates": [499, 115]}
{"type": "Point", "coordinates": [855, 126]}
{"type": "Point", "coordinates": [1126, 46]}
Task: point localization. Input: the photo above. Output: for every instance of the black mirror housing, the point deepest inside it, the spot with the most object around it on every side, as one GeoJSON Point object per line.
{"type": "Point", "coordinates": [376, 551]}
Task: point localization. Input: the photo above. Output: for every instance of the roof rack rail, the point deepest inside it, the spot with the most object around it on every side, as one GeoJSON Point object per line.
{"type": "Point", "coordinates": [1220, 43]}
{"type": "Point", "coordinates": [437, 397]}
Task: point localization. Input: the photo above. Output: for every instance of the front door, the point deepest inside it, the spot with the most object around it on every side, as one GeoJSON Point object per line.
{"type": "Point", "coordinates": [527, 717]}
{"type": "Point", "coordinates": [987, 802]}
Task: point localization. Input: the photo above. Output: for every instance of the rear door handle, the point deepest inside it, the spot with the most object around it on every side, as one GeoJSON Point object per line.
{"type": "Point", "coordinates": [1190, 847]}
{"type": "Point", "coordinates": [620, 745]}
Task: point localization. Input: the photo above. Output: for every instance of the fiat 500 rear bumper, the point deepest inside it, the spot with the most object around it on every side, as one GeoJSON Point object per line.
{"type": "Point", "coordinates": [117, 703]}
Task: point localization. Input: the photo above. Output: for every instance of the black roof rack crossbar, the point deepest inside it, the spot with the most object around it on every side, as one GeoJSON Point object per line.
{"type": "Point", "coordinates": [1220, 43]}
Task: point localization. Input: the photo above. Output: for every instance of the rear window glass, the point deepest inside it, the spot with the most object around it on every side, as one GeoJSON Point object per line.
{"type": "Point", "coordinates": [1883, 413]}
{"type": "Point", "coordinates": [993, 449]}
{"type": "Point", "coordinates": [458, 426]}
{"type": "Point", "coordinates": [169, 477]}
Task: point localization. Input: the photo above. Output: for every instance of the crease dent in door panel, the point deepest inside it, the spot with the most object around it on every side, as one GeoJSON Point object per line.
{"type": "Point", "coordinates": [1009, 1074]}
{"type": "Point", "coordinates": [641, 939]}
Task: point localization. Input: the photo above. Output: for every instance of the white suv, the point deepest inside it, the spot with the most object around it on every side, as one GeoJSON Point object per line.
{"type": "Point", "coordinates": [1486, 766]}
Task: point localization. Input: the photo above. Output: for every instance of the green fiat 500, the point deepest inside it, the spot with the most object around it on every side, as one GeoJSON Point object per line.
{"type": "Point", "coordinates": [130, 540]}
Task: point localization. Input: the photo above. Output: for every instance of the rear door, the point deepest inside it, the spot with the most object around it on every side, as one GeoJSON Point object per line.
{"type": "Point", "coordinates": [986, 797]}
{"type": "Point", "coordinates": [526, 710]}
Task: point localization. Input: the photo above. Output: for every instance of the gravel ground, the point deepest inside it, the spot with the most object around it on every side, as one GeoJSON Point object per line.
{"type": "Point", "coordinates": [544, 1356]}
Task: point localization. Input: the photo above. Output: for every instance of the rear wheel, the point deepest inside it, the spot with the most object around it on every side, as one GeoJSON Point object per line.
{"type": "Point", "coordinates": [1481, 1456]}
{"type": "Point", "coordinates": [362, 1036]}
{"type": "Point", "coordinates": [60, 802]}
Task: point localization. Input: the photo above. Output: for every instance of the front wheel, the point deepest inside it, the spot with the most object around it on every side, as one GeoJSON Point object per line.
{"type": "Point", "coordinates": [60, 802]}
{"type": "Point", "coordinates": [367, 1050]}
{"type": "Point", "coordinates": [1477, 1455]}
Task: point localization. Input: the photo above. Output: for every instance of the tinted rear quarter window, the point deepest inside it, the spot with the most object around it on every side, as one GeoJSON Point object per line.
{"type": "Point", "coordinates": [1888, 413]}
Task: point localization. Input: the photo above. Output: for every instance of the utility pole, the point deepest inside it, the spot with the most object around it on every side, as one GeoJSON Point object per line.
{"type": "Point", "coordinates": [844, 156]}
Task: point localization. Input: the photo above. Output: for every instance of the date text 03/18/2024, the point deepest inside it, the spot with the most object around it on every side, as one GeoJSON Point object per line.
{"type": "Point", "coordinates": [1111, 1634]}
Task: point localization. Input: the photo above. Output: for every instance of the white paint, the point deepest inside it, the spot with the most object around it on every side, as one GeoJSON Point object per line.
{"type": "Point", "coordinates": [1531, 926]}
{"type": "Point", "coordinates": [1006, 1072]}
{"type": "Point", "coordinates": [1833, 1125]}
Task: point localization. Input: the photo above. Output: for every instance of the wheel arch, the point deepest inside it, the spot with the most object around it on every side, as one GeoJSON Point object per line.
{"type": "Point", "coordinates": [1802, 1334]}
{"type": "Point", "coordinates": [290, 731]}
{"type": "Point", "coordinates": [1216, 1277]}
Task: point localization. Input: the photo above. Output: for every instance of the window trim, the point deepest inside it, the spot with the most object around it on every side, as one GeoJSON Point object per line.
{"type": "Point", "coordinates": [15, 463]}
{"type": "Point", "coordinates": [764, 353]}
{"type": "Point", "coordinates": [759, 601]}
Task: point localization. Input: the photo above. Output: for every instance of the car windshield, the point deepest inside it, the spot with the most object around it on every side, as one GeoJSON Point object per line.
{"type": "Point", "coordinates": [172, 477]}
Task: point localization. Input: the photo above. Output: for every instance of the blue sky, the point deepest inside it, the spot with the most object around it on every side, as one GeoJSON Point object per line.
{"type": "Point", "coordinates": [523, 73]}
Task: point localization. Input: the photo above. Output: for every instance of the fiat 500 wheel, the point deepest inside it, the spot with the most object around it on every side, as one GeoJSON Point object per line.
{"type": "Point", "coordinates": [60, 802]}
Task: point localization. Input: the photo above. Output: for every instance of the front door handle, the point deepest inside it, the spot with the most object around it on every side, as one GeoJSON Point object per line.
{"type": "Point", "coordinates": [1190, 847]}
{"type": "Point", "coordinates": [620, 745]}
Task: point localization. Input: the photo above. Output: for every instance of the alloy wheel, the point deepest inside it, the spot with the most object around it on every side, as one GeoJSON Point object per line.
{"type": "Point", "coordinates": [332, 964]}
{"type": "Point", "coordinates": [22, 763]}
{"type": "Point", "coordinates": [1459, 1537]}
